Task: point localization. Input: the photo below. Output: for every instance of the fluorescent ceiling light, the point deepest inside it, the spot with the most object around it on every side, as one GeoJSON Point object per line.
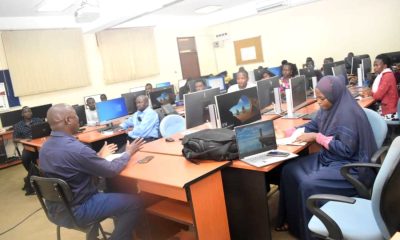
{"type": "Point", "coordinates": [54, 5]}
{"type": "Point", "coordinates": [208, 9]}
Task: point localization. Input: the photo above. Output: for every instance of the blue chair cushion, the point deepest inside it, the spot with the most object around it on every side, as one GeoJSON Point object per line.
{"type": "Point", "coordinates": [171, 124]}
{"type": "Point", "coordinates": [355, 220]}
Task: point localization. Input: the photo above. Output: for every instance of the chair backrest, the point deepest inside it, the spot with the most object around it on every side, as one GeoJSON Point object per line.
{"type": "Point", "coordinates": [54, 190]}
{"type": "Point", "coordinates": [171, 124]}
{"type": "Point", "coordinates": [378, 124]}
{"type": "Point", "coordinates": [385, 195]}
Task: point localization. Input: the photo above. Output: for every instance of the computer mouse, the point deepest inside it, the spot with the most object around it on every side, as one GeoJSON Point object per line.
{"type": "Point", "coordinates": [169, 139]}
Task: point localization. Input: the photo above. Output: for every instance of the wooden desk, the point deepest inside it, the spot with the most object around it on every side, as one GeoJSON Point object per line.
{"type": "Point", "coordinates": [197, 187]}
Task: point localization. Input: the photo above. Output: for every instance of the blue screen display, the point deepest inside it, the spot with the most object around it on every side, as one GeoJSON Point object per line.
{"type": "Point", "coordinates": [216, 82]}
{"type": "Point", "coordinates": [111, 109]}
{"type": "Point", "coordinates": [276, 70]}
{"type": "Point", "coordinates": [163, 84]}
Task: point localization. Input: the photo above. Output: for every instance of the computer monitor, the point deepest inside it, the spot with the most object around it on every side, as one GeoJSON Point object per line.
{"type": "Point", "coordinates": [111, 109]}
{"type": "Point", "coordinates": [161, 96]}
{"type": "Point", "coordinates": [327, 67]}
{"type": "Point", "coordinates": [196, 106]}
{"type": "Point", "coordinates": [394, 57]}
{"type": "Point", "coordinates": [265, 91]}
{"type": "Point", "coordinates": [355, 63]}
{"type": "Point", "coordinates": [299, 93]}
{"type": "Point", "coordinates": [277, 71]}
{"type": "Point", "coordinates": [130, 100]}
{"type": "Point", "coordinates": [366, 65]}
{"type": "Point", "coordinates": [40, 111]}
{"type": "Point", "coordinates": [341, 71]}
{"type": "Point", "coordinates": [258, 74]}
{"type": "Point", "coordinates": [238, 108]}
{"type": "Point", "coordinates": [216, 82]}
{"type": "Point", "coordinates": [80, 111]}
{"type": "Point", "coordinates": [8, 119]}
{"type": "Point", "coordinates": [163, 84]}
{"type": "Point", "coordinates": [137, 89]}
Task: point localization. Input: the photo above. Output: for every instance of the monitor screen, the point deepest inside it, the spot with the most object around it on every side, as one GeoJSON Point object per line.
{"type": "Point", "coordinates": [238, 108]}
{"type": "Point", "coordinates": [265, 90]}
{"type": "Point", "coordinates": [111, 109]}
{"type": "Point", "coordinates": [340, 70]}
{"type": "Point", "coordinates": [40, 111]}
{"type": "Point", "coordinates": [366, 63]}
{"type": "Point", "coordinates": [298, 88]}
{"type": "Point", "coordinates": [216, 82]}
{"type": "Point", "coordinates": [327, 67]}
{"type": "Point", "coordinates": [163, 84]}
{"type": "Point", "coordinates": [137, 89]}
{"type": "Point", "coordinates": [355, 63]}
{"type": "Point", "coordinates": [196, 106]}
{"type": "Point", "coordinates": [10, 118]}
{"type": "Point", "coordinates": [130, 100]}
{"type": "Point", "coordinates": [80, 111]}
{"type": "Point", "coordinates": [277, 71]}
{"type": "Point", "coordinates": [162, 96]}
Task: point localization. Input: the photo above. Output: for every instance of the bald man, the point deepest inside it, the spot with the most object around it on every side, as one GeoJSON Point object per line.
{"type": "Point", "coordinates": [144, 121]}
{"type": "Point", "coordinates": [63, 156]}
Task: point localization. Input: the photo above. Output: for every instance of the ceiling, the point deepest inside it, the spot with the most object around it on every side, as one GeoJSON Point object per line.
{"type": "Point", "coordinates": [23, 14]}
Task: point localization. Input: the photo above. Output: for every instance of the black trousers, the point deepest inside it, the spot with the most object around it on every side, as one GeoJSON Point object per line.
{"type": "Point", "coordinates": [29, 158]}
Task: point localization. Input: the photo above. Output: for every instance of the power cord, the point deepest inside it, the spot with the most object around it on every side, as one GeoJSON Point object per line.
{"type": "Point", "coordinates": [23, 220]}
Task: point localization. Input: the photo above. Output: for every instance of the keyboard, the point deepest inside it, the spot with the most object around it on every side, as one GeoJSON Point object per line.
{"type": "Point", "coordinates": [109, 128]}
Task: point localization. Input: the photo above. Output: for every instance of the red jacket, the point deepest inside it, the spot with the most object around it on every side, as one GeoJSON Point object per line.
{"type": "Point", "coordinates": [387, 93]}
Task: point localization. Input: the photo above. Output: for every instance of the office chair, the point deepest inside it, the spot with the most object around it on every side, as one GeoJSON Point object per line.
{"type": "Point", "coordinates": [393, 124]}
{"type": "Point", "coordinates": [380, 129]}
{"type": "Point", "coordinates": [57, 190]}
{"type": "Point", "coordinates": [171, 124]}
{"type": "Point", "coordinates": [357, 218]}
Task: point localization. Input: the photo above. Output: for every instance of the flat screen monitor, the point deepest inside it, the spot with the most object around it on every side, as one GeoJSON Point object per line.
{"type": "Point", "coordinates": [238, 108]}
{"type": "Point", "coordinates": [196, 106]}
{"type": "Point", "coordinates": [355, 63]}
{"type": "Point", "coordinates": [111, 109]}
{"type": "Point", "coordinates": [341, 71]}
{"type": "Point", "coordinates": [394, 57]}
{"type": "Point", "coordinates": [265, 91]}
{"type": "Point", "coordinates": [299, 94]}
{"type": "Point", "coordinates": [366, 63]}
{"type": "Point", "coordinates": [216, 82]}
{"type": "Point", "coordinates": [162, 96]}
{"type": "Point", "coordinates": [137, 89]}
{"type": "Point", "coordinates": [40, 111]}
{"type": "Point", "coordinates": [8, 119]}
{"type": "Point", "coordinates": [163, 84]}
{"type": "Point", "coordinates": [327, 67]}
{"type": "Point", "coordinates": [337, 63]}
{"type": "Point", "coordinates": [130, 100]}
{"type": "Point", "coordinates": [277, 71]}
{"type": "Point", "coordinates": [258, 74]}
{"type": "Point", "coordinates": [80, 111]}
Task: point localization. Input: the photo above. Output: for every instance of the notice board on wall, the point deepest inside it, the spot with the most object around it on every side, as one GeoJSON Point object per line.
{"type": "Point", "coordinates": [248, 51]}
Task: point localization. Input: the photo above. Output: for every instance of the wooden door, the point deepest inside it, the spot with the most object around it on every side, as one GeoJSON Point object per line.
{"type": "Point", "coordinates": [188, 57]}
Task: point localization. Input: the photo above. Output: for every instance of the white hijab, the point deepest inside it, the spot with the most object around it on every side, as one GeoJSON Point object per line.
{"type": "Point", "coordinates": [378, 80]}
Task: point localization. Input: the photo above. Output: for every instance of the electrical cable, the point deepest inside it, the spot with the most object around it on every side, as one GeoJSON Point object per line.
{"type": "Point", "coordinates": [23, 220]}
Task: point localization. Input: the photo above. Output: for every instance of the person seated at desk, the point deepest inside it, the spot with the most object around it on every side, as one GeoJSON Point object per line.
{"type": "Point", "coordinates": [342, 129]}
{"type": "Point", "coordinates": [288, 71]}
{"type": "Point", "coordinates": [148, 88]}
{"type": "Point", "coordinates": [103, 97]}
{"type": "Point", "coordinates": [91, 113]}
{"type": "Point", "coordinates": [199, 85]}
{"type": "Point", "coordinates": [242, 78]}
{"type": "Point", "coordinates": [145, 121]}
{"type": "Point", "coordinates": [22, 130]}
{"type": "Point", "coordinates": [384, 88]}
{"type": "Point", "coordinates": [348, 61]}
{"type": "Point", "coordinates": [63, 156]}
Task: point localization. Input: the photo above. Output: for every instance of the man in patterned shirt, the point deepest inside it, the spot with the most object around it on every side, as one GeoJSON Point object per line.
{"type": "Point", "coordinates": [22, 130]}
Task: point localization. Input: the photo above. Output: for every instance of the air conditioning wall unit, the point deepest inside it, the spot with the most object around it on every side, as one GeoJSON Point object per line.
{"type": "Point", "coordinates": [270, 5]}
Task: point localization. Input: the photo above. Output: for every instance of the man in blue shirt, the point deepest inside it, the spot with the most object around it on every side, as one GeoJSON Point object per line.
{"type": "Point", "coordinates": [63, 156]}
{"type": "Point", "coordinates": [144, 121]}
{"type": "Point", "coordinates": [23, 130]}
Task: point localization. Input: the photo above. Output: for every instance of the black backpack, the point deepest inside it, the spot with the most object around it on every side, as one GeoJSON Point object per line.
{"type": "Point", "coordinates": [212, 144]}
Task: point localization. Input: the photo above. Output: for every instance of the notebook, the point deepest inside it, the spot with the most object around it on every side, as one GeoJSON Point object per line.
{"type": "Point", "coordinates": [40, 130]}
{"type": "Point", "coordinates": [256, 141]}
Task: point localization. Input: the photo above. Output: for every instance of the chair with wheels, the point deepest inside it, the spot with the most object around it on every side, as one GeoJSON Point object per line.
{"type": "Point", "coordinates": [172, 124]}
{"type": "Point", "coordinates": [357, 218]}
{"type": "Point", "coordinates": [57, 190]}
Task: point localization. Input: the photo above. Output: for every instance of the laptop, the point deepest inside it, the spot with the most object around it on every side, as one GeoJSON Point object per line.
{"type": "Point", "coordinates": [40, 130]}
{"type": "Point", "coordinates": [257, 144]}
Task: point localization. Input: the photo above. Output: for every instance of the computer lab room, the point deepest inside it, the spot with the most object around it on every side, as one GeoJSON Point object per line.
{"type": "Point", "coordinates": [208, 120]}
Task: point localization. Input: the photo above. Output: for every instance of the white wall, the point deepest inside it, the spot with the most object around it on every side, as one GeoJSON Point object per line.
{"type": "Point", "coordinates": [321, 29]}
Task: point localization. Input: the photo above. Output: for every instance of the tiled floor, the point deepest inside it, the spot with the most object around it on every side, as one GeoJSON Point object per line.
{"type": "Point", "coordinates": [15, 206]}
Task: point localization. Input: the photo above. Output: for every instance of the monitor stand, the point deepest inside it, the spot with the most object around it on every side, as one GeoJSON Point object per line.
{"type": "Point", "coordinates": [289, 105]}
{"type": "Point", "coordinates": [108, 127]}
